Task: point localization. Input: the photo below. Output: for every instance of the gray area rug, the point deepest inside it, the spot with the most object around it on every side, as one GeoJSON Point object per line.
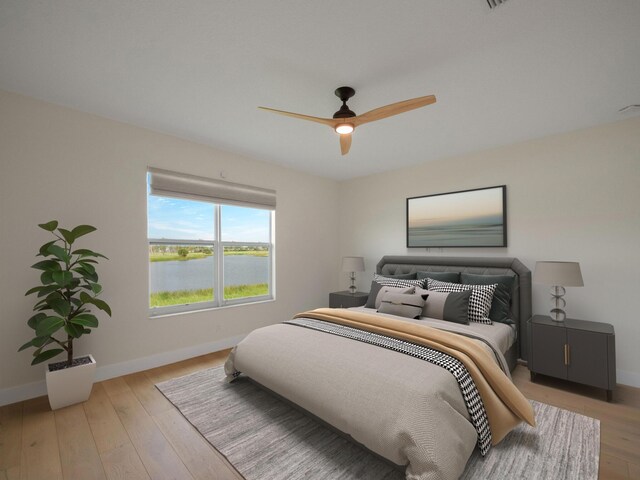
{"type": "Point", "coordinates": [265, 437]}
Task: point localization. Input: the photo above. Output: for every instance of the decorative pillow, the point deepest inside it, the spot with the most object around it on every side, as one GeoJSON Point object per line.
{"type": "Point", "coordinates": [452, 307]}
{"type": "Point", "coordinates": [479, 302]}
{"type": "Point", "coordinates": [397, 282]}
{"type": "Point", "coordinates": [501, 304]}
{"type": "Point", "coordinates": [402, 304]}
{"type": "Point", "coordinates": [453, 277]}
{"type": "Point", "coordinates": [373, 301]}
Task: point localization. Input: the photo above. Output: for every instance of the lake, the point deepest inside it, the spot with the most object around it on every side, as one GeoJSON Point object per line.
{"type": "Point", "coordinates": [197, 274]}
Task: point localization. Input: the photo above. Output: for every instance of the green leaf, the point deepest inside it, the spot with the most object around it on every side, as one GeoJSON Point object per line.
{"type": "Point", "coordinates": [26, 345]}
{"type": "Point", "coordinates": [88, 267]}
{"type": "Point", "coordinates": [59, 252]}
{"type": "Point", "coordinates": [86, 274]}
{"type": "Point", "coordinates": [44, 249]}
{"type": "Point", "coordinates": [49, 226]}
{"type": "Point", "coordinates": [44, 356]}
{"type": "Point", "coordinates": [73, 330]}
{"type": "Point", "coordinates": [81, 230]}
{"type": "Point", "coordinates": [41, 342]}
{"type": "Point", "coordinates": [34, 290]}
{"type": "Point", "coordinates": [62, 278]}
{"type": "Point", "coordinates": [68, 236]}
{"type": "Point", "coordinates": [33, 321]}
{"type": "Point", "coordinates": [47, 290]}
{"type": "Point", "coordinates": [41, 303]}
{"type": "Point", "coordinates": [49, 326]}
{"type": "Point", "coordinates": [88, 253]}
{"type": "Point", "coordinates": [102, 305]}
{"type": "Point", "coordinates": [47, 278]}
{"type": "Point", "coordinates": [86, 320]}
{"type": "Point", "coordinates": [96, 288]}
{"type": "Point", "coordinates": [86, 331]}
{"type": "Point", "coordinates": [51, 265]}
{"type": "Point", "coordinates": [60, 306]}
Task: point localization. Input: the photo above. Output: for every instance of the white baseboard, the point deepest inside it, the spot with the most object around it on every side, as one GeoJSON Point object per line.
{"type": "Point", "coordinates": [628, 378]}
{"type": "Point", "coordinates": [37, 389]}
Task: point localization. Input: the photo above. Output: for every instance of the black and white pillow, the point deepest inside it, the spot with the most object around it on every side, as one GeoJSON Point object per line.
{"type": "Point", "coordinates": [479, 302]}
{"type": "Point", "coordinates": [397, 282]}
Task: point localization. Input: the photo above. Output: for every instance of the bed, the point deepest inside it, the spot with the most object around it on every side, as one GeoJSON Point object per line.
{"type": "Point", "coordinates": [418, 395]}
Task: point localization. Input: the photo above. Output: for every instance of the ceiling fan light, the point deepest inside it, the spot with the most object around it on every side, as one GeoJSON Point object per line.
{"type": "Point", "coordinates": [344, 128]}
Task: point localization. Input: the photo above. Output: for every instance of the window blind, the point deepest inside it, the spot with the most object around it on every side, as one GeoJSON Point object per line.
{"type": "Point", "coordinates": [180, 185]}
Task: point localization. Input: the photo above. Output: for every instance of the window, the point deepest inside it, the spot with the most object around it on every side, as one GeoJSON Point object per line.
{"type": "Point", "coordinates": [210, 243]}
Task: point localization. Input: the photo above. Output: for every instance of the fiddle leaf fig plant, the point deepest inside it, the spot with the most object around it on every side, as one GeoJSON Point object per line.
{"type": "Point", "coordinates": [69, 290]}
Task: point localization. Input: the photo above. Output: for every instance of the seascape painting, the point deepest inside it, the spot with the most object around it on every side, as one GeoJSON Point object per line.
{"type": "Point", "coordinates": [471, 218]}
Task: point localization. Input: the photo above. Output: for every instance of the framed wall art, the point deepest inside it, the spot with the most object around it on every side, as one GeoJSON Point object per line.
{"type": "Point", "coordinates": [468, 218]}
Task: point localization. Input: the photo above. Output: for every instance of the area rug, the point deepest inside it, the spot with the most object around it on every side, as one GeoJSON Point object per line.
{"type": "Point", "coordinates": [265, 437]}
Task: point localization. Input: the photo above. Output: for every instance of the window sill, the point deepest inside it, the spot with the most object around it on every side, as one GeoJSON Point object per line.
{"type": "Point", "coordinates": [205, 309]}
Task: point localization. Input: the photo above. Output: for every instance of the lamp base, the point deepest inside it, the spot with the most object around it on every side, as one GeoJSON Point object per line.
{"type": "Point", "coordinates": [352, 287]}
{"type": "Point", "coordinates": [557, 313]}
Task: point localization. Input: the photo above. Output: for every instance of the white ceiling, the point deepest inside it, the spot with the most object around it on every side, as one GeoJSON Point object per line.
{"type": "Point", "coordinates": [199, 69]}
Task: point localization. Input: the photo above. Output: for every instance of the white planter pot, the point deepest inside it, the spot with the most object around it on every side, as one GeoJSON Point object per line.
{"type": "Point", "coordinates": [70, 385]}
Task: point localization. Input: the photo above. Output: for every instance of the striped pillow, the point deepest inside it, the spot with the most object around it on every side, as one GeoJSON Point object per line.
{"type": "Point", "coordinates": [479, 302]}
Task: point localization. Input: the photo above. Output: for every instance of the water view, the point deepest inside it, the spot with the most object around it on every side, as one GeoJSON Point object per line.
{"type": "Point", "coordinates": [198, 273]}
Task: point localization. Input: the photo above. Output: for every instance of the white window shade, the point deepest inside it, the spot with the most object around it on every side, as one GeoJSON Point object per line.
{"type": "Point", "coordinates": [180, 185]}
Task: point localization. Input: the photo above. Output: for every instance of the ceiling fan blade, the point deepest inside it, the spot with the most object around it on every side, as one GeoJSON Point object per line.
{"type": "Point", "coordinates": [345, 143]}
{"type": "Point", "coordinates": [326, 121]}
{"type": "Point", "coordinates": [394, 109]}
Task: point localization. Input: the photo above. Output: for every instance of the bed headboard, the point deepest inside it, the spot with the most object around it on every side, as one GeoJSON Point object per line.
{"type": "Point", "coordinates": [520, 296]}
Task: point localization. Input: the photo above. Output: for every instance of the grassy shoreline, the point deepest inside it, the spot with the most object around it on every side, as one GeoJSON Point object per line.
{"type": "Point", "coordinates": [172, 257]}
{"type": "Point", "coordinates": [182, 297]}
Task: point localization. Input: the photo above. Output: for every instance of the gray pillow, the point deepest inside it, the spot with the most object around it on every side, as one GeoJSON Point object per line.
{"type": "Point", "coordinates": [453, 277]}
{"type": "Point", "coordinates": [402, 304]}
{"type": "Point", "coordinates": [452, 307]}
{"type": "Point", "coordinates": [373, 300]}
{"type": "Point", "coordinates": [501, 303]}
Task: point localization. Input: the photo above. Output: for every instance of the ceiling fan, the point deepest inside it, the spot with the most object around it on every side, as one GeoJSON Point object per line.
{"type": "Point", "coordinates": [344, 121]}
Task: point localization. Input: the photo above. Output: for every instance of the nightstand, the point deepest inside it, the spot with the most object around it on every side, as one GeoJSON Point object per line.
{"type": "Point", "coordinates": [346, 299]}
{"type": "Point", "coordinates": [575, 350]}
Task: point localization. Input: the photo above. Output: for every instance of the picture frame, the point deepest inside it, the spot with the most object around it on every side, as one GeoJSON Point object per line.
{"type": "Point", "coordinates": [466, 218]}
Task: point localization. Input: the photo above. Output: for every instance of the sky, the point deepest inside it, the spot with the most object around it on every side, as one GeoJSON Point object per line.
{"type": "Point", "coordinates": [479, 206]}
{"type": "Point", "coordinates": [190, 220]}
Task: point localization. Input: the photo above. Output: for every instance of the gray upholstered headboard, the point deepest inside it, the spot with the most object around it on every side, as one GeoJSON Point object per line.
{"type": "Point", "coordinates": [520, 296]}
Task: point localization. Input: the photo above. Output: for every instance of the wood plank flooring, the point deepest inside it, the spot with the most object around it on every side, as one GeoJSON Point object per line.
{"type": "Point", "coordinates": [127, 430]}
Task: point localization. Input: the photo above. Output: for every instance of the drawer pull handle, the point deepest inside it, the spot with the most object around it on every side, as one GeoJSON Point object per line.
{"type": "Point", "coordinates": [567, 354]}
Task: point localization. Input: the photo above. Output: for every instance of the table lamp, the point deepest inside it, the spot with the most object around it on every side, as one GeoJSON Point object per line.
{"type": "Point", "coordinates": [352, 265]}
{"type": "Point", "coordinates": [559, 275]}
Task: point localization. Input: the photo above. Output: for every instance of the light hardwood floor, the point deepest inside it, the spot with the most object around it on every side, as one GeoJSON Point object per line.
{"type": "Point", "coordinates": [128, 430]}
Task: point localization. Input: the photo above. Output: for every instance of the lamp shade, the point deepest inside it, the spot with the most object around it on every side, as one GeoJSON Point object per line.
{"type": "Point", "coordinates": [353, 264]}
{"type": "Point", "coordinates": [566, 274]}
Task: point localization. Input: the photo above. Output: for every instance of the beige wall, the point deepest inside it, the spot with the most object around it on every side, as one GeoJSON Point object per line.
{"type": "Point", "coordinates": [573, 197]}
{"type": "Point", "coordinates": [570, 197]}
{"type": "Point", "coordinates": [58, 163]}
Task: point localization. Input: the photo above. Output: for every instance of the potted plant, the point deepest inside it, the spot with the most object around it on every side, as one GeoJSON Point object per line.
{"type": "Point", "coordinates": [68, 291]}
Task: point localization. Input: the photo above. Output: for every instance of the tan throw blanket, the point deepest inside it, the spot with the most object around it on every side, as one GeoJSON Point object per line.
{"type": "Point", "coordinates": [506, 407]}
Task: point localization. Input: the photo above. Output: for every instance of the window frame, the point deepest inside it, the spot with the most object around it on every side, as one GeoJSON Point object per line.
{"type": "Point", "coordinates": [218, 264]}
